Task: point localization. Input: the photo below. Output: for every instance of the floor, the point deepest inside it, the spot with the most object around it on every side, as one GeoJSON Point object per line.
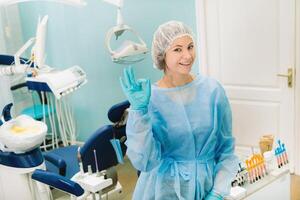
{"type": "Point", "coordinates": [127, 174]}
{"type": "Point", "coordinates": [295, 187]}
{"type": "Point", "coordinates": [127, 177]}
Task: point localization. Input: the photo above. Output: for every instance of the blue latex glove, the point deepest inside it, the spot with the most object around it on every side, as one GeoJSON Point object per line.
{"type": "Point", "coordinates": [137, 95]}
{"type": "Point", "coordinates": [213, 196]}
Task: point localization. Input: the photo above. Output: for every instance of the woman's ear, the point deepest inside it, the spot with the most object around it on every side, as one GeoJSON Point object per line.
{"type": "Point", "coordinates": [165, 67]}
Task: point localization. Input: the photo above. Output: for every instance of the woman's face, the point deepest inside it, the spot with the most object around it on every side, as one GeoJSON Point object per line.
{"type": "Point", "coordinates": [180, 56]}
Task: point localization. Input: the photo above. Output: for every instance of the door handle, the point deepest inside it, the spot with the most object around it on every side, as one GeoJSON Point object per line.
{"type": "Point", "coordinates": [289, 77]}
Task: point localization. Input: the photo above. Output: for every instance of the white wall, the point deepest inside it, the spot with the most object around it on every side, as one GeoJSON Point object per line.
{"type": "Point", "coordinates": [201, 41]}
{"type": "Point", "coordinates": [11, 36]}
{"type": "Point", "coordinates": [10, 41]}
{"type": "Point", "coordinates": [5, 97]}
{"type": "Point", "coordinates": [297, 124]}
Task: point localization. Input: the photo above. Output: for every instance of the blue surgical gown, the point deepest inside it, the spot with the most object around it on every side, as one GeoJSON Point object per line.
{"type": "Point", "coordinates": [183, 145]}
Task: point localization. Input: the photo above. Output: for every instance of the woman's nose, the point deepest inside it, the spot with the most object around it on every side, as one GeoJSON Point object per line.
{"type": "Point", "coordinates": [187, 54]}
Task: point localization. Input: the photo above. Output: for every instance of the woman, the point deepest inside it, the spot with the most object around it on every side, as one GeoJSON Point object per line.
{"type": "Point", "coordinates": [179, 130]}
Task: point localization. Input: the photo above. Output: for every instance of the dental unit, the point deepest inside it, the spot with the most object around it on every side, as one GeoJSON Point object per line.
{"type": "Point", "coordinates": [281, 155]}
{"type": "Point", "coordinates": [55, 86]}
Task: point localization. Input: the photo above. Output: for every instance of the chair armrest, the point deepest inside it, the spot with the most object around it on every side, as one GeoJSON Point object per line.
{"type": "Point", "coordinates": [18, 86]}
{"type": "Point", "coordinates": [58, 161]}
{"type": "Point", "coordinates": [57, 181]}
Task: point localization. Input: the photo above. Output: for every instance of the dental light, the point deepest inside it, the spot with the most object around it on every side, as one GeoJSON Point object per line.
{"type": "Point", "coordinates": [130, 51]}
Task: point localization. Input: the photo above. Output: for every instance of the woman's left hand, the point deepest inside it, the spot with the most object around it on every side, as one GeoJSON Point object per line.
{"type": "Point", "coordinates": [138, 92]}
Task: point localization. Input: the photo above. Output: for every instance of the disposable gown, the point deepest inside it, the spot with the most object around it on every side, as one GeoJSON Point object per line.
{"type": "Point", "coordinates": [183, 145]}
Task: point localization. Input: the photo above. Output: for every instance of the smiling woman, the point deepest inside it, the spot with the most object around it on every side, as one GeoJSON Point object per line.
{"type": "Point", "coordinates": [179, 130]}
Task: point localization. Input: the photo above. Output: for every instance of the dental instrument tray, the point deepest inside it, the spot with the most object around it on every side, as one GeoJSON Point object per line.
{"type": "Point", "coordinates": [59, 82]}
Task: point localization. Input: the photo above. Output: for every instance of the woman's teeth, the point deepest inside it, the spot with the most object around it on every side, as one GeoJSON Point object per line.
{"type": "Point", "coordinates": [185, 64]}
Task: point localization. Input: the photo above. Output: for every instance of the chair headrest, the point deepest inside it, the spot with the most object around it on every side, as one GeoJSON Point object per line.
{"type": "Point", "coordinates": [100, 141]}
{"type": "Point", "coordinates": [6, 115]}
{"type": "Point", "coordinates": [9, 60]}
{"type": "Point", "coordinates": [115, 113]}
{"type": "Point", "coordinates": [6, 59]}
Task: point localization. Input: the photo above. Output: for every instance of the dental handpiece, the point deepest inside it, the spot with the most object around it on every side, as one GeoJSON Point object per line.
{"type": "Point", "coordinates": [96, 163]}
{"type": "Point", "coordinates": [284, 153]}
{"type": "Point", "coordinates": [280, 157]}
{"type": "Point", "coordinates": [80, 161]}
{"type": "Point", "coordinates": [281, 154]}
{"type": "Point", "coordinates": [261, 165]}
{"type": "Point", "coordinates": [249, 172]}
{"type": "Point", "coordinates": [265, 168]}
{"type": "Point", "coordinates": [277, 158]}
{"type": "Point", "coordinates": [261, 170]}
{"type": "Point", "coordinates": [283, 158]}
{"type": "Point", "coordinates": [258, 168]}
{"type": "Point", "coordinates": [253, 171]}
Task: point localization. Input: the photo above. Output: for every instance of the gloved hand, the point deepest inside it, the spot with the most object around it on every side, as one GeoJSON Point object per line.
{"type": "Point", "coordinates": [213, 196]}
{"type": "Point", "coordinates": [137, 95]}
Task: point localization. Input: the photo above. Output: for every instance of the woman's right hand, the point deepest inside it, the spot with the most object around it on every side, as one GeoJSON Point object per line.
{"type": "Point", "coordinates": [213, 196]}
{"type": "Point", "coordinates": [138, 92]}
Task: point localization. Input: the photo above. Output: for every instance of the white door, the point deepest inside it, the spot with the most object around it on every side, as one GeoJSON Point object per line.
{"type": "Point", "coordinates": [246, 44]}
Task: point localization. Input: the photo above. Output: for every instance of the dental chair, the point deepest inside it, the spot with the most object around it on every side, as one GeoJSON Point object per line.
{"type": "Point", "coordinates": [20, 155]}
{"type": "Point", "coordinates": [62, 163]}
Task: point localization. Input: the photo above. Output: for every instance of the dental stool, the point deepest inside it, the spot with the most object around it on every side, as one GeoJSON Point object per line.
{"type": "Point", "coordinates": [62, 163]}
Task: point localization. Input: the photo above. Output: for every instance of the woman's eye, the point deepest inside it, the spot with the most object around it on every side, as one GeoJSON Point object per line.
{"type": "Point", "coordinates": [191, 47]}
{"type": "Point", "coordinates": [177, 50]}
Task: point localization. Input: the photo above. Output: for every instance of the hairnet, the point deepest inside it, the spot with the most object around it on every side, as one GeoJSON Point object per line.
{"type": "Point", "coordinates": [164, 37]}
